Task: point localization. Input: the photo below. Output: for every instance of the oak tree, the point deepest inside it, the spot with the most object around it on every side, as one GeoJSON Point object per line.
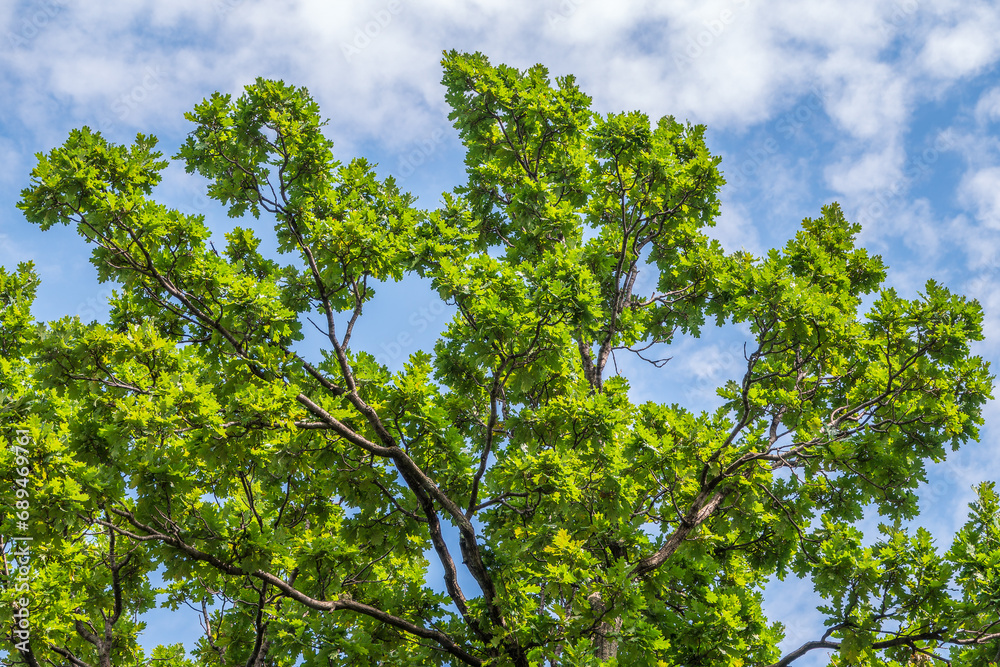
{"type": "Point", "coordinates": [501, 499]}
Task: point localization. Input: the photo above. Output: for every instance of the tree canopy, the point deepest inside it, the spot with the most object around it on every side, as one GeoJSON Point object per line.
{"type": "Point", "coordinates": [500, 500]}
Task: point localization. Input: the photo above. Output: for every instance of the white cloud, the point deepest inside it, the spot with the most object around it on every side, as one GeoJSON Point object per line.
{"type": "Point", "coordinates": [980, 191]}
{"type": "Point", "coordinates": [739, 64]}
{"type": "Point", "coordinates": [873, 176]}
{"type": "Point", "coordinates": [575, 22]}
{"type": "Point", "coordinates": [869, 99]}
{"type": "Point", "coordinates": [980, 246]}
{"type": "Point", "coordinates": [830, 25]}
{"type": "Point", "coordinates": [963, 49]}
{"type": "Point", "coordinates": [988, 106]}
{"type": "Point", "coordinates": [735, 230]}
{"type": "Point", "coordinates": [983, 281]}
{"type": "Point", "coordinates": [912, 224]}
{"type": "Point", "coordinates": [745, 60]}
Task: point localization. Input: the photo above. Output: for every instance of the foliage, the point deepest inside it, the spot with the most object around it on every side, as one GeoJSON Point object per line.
{"type": "Point", "coordinates": [500, 500]}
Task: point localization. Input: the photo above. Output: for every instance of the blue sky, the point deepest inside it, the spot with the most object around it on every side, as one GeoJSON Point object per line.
{"type": "Point", "coordinates": [890, 108]}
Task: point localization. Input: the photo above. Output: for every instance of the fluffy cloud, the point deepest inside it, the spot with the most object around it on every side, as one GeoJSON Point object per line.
{"type": "Point", "coordinates": [988, 106]}
{"type": "Point", "coordinates": [980, 192]}
{"type": "Point", "coordinates": [962, 49]}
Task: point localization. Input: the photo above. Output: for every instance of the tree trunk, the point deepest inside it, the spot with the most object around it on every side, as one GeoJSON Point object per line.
{"type": "Point", "coordinates": [607, 647]}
